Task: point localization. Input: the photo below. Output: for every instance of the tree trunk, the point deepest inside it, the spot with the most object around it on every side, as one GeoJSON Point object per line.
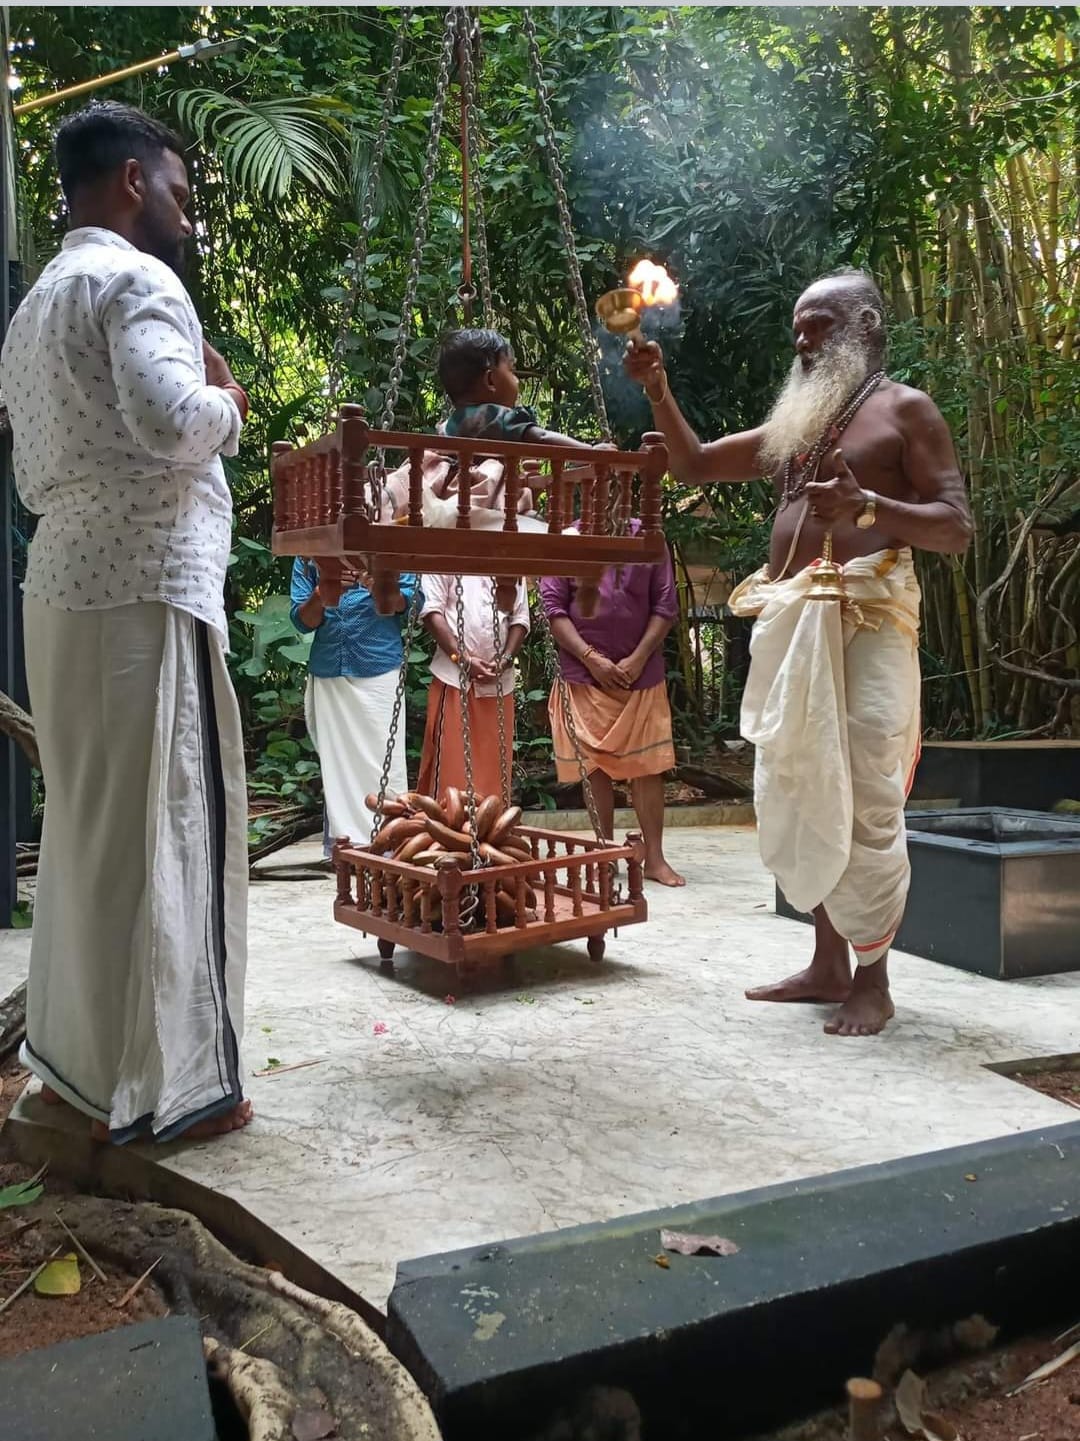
{"type": "Point", "coordinates": [19, 725]}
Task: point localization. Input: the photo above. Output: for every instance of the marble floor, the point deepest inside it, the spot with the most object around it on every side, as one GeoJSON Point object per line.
{"type": "Point", "coordinates": [564, 1092]}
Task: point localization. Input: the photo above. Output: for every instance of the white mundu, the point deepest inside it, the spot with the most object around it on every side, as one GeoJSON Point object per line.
{"type": "Point", "coordinates": [832, 706]}
{"type": "Point", "coordinates": [135, 997]}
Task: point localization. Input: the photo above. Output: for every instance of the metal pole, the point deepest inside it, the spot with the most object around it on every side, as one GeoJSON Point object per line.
{"type": "Point", "coordinates": [200, 50]}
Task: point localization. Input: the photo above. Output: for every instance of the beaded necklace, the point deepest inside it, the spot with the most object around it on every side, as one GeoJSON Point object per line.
{"type": "Point", "coordinates": [810, 462]}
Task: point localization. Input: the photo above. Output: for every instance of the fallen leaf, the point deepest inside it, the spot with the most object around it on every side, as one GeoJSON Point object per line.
{"type": "Point", "coordinates": [1048, 1369]}
{"type": "Point", "coordinates": [910, 1401]}
{"type": "Point", "coordinates": [971, 1176]}
{"type": "Point", "coordinates": [60, 1277]}
{"type": "Point", "coordinates": [526, 1000]}
{"type": "Point", "coordinates": [381, 1028]}
{"type": "Point", "coordinates": [272, 1063]}
{"type": "Point", "coordinates": [697, 1245]}
{"type": "Point", "coordinates": [313, 1425]}
{"type": "Point", "coordinates": [19, 1193]}
{"type": "Point", "coordinates": [450, 1000]}
{"type": "Point", "coordinates": [662, 1261]}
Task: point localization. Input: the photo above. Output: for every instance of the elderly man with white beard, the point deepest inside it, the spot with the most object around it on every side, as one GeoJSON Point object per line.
{"type": "Point", "coordinates": [832, 698]}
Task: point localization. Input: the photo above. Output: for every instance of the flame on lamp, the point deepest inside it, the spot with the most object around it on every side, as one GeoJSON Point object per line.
{"type": "Point", "coordinates": [653, 283]}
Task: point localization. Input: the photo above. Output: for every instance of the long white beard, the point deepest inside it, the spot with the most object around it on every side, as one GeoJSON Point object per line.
{"type": "Point", "coordinates": [810, 399]}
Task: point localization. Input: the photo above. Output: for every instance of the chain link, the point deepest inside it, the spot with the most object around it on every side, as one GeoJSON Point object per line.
{"type": "Point", "coordinates": [497, 639]}
{"type": "Point", "coordinates": [464, 679]}
{"type": "Point", "coordinates": [367, 211]}
{"type": "Point", "coordinates": [468, 100]}
{"type": "Point", "coordinates": [551, 146]}
{"type": "Point", "coordinates": [423, 218]}
{"type": "Point", "coordinates": [411, 622]}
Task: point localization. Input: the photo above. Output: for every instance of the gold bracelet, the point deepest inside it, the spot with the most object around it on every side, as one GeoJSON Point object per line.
{"type": "Point", "coordinates": [659, 400]}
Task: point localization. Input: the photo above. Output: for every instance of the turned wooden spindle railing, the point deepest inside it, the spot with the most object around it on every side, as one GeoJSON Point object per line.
{"type": "Point", "coordinates": [326, 503]}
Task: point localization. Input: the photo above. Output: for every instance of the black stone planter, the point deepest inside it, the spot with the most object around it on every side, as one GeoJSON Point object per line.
{"type": "Point", "coordinates": [992, 891]}
{"type": "Point", "coordinates": [505, 1337]}
{"type": "Point", "coordinates": [1031, 774]}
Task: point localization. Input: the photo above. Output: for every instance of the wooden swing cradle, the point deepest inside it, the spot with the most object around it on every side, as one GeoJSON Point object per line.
{"type": "Point", "coordinates": [331, 499]}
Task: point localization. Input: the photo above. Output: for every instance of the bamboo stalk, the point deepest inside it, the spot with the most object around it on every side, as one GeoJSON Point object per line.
{"type": "Point", "coordinates": [864, 1410]}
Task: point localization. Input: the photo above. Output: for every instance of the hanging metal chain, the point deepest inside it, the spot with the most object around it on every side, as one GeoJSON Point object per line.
{"type": "Point", "coordinates": [551, 146]}
{"type": "Point", "coordinates": [468, 100]}
{"type": "Point", "coordinates": [423, 218]}
{"type": "Point", "coordinates": [497, 639]}
{"type": "Point", "coordinates": [552, 652]}
{"type": "Point", "coordinates": [411, 622]}
{"type": "Point", "coordinates": [466, 728]}
{"type": "Point", "coordinates": [367, 211]}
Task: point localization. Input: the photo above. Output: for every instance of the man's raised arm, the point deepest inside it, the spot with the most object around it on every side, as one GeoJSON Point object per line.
{"type": "Point", "coordinates": [734, 458]}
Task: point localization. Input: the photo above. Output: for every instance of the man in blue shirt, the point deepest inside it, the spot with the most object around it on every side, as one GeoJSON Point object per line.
{"type": "Point", "coordinates": [352, 679]}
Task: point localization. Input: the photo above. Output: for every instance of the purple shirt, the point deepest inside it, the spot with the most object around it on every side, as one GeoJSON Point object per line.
{"type": "Point", "coordinates": [622, 614]}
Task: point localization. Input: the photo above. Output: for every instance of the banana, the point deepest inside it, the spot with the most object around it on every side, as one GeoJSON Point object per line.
{"type": "Point", "coordinates": [428, 804]}
{"type": "Point", "coordinates": [402, 828]}
{"type": "Point", "coordinates": [487, 813]}
{"type": "Point", "coordinates": [393, 807]}
{"type": "Point", "coordinates": [452, 840]}
{"type": "Point", "coordinates": [414, 846]}
{"type": "Point", "coordinates": [453, 804]}
{"type": "Point", "coordinates": [503, 825]}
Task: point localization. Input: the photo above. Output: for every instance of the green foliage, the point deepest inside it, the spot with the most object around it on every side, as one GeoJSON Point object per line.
{"type": "Point", "coordinates": [265, 145]}
{"type": "Point", "coordinates": [748, 148]}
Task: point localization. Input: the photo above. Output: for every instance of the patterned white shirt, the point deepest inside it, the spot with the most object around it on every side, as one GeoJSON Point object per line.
{"type": "Point", "coordinates": [117, 436]}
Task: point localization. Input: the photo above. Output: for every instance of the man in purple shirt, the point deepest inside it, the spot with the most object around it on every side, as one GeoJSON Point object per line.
{"type": "Point", "coordinates": [613, 666]}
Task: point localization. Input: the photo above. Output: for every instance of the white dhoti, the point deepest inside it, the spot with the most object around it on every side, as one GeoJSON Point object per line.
{"type": "Point", "coordinates": [832, 706]}
{"type": "Point", "coordinates": [348, 719]}
{"type": "Point", "coordinates": [136, 994]}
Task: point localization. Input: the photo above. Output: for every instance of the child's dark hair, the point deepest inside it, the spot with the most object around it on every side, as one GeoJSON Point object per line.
{"type": "Point", "coordinates": [465, 356]}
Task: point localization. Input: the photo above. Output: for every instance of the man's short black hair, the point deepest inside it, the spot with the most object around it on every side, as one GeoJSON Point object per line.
{"type": "Point", "coordinates": [94, 141]}
{"type": "Point", "coordinates": [466, 355]}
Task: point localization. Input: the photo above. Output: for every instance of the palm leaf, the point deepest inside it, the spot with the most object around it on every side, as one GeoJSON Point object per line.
{"type": "Point", "coordinates": [267, 145]}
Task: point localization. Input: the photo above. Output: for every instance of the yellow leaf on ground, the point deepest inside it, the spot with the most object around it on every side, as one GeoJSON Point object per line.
{"type": "Point", "coordinates": [60, 1277]}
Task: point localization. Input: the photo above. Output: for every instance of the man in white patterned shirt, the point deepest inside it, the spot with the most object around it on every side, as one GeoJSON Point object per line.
{"type": "Point", "coordinates": [120, 413]}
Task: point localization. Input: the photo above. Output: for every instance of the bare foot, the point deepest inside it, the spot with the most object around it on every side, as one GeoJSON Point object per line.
{"type": "Point", "coordinates": [867, 1010]}
{"type": "Point", "coordinates": [234, 1120]}
{"type": "Point", "coordinates": [822, 983]}
{"type": "Point", "coordinates": [663, 874]}
{"type": "Point", "coordinates": [49, 1096]}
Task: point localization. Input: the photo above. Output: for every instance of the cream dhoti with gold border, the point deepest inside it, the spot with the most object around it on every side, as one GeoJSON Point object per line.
{"type": "Point", "coordinates": [832, 707]}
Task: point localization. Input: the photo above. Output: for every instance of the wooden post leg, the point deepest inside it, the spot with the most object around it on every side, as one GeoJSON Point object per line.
{"type": "Point", "coordinates": [597, 946]}
{"type": "Point", "coordinates": [864, 1410]}
{"type": "Point", "coordinates": [386, 952]}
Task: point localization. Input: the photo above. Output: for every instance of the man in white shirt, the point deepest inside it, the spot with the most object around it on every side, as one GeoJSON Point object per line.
{"type": "Point", "coordinates": [120, 413]}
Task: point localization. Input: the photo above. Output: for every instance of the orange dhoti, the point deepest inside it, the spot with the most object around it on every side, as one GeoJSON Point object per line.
{"type": "Point", "coordinates": [625, 737]}
{"type": "Point", "coordinates": [442, 763]}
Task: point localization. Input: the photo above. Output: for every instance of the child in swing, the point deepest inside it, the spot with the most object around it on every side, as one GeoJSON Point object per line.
{"type": "Point", "coordinates": [476, 368]}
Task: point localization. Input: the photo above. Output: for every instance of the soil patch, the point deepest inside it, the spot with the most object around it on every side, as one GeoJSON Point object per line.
{"type": "Point", "coordinates": [973, 1397]}
{"type": "Point", "coordinates": [30, 1235]}
{"type": "Point", "coordinates": [13, 1078]}
{"type": "Point", "coordinates": [1062, 1085]}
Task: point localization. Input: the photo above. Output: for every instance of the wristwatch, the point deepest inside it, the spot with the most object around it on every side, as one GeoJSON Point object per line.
{"type": "Point", "coordinates": [868, 515]}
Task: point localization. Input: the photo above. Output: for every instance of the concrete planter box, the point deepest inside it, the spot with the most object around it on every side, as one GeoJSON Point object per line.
{"type": "Point", "coordinates": [506, 1339]}
{"type": "Point", "coordinates": [993, 891]}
